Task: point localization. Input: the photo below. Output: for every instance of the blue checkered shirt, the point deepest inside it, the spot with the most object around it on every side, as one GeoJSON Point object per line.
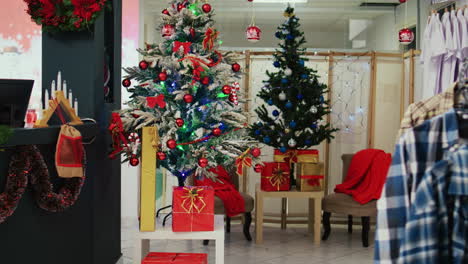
{"type": "Point", "coordinates": [418, 149]}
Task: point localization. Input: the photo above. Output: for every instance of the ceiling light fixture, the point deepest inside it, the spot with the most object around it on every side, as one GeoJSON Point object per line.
{"type": "Point", "coordinates": [280, 1]}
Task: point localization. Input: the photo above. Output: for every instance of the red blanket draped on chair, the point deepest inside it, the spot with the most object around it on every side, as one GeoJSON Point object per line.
{"type": "Point", "coordinates": [366, 175]}
{"type": "Point", "coordinates": [226, 191]}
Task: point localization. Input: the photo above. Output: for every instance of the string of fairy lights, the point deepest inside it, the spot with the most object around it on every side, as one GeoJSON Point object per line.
{"type": "Point", "coordinates": [350, 87]}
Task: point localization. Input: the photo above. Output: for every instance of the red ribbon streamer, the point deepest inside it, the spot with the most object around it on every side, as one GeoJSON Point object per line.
{"type": "Point", "coordinates": [184, 45]}
{"type": "Point", "coordinates": [210, 36]}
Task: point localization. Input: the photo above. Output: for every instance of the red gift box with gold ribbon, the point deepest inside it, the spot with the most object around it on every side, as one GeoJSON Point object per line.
{"type": "Point", "coordinates": [179, 258]}
{"type": "Point", "coordinates": [275, 177]}
{"type": "Point", "coordinates": [310, 177]}
{"type": "Point", "coordinates": [192, 209]}
{"type": "Point", "coordinates": [297, 156]}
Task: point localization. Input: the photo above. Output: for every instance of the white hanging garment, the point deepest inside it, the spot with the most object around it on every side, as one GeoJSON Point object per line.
{"type": "Point", "coordinates": [463, 21]}
{"type": "Point", "coordinates": [432, 54]}
{"type": "Point", "coordinates": [450, 55]}
{"type": "Point", "coordinates": [456, 44]}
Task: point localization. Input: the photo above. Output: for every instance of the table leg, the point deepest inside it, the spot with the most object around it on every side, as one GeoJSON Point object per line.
{"type": "Point", "coordinates": [220, 250]}
{"type": "Point", "coordinates": [142, 248]}
{"type": "Point", "coordinates": [317, 218]}
{"type": "Point", "coordinates": [284, 212]}
{"type": "Point", "coordinates": [311, 215]}
{"type": "Point", "coordinates": [258, 218]}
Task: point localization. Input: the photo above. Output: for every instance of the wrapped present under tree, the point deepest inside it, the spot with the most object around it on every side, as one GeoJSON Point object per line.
{"type": "Point", "coordinates": [192, 209]}
{"type": "Point", "coordinates": [275, 177]}
{"type": "Point", "coordinates": [179, 258]}
{"type": "Point", "coordinates": [310, 177]}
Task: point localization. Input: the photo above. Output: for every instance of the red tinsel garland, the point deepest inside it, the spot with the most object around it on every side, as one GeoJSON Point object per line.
{"type": "Point", "coordinates": [16, 183]}
{"type": "Point", "coordinates": [27, 161]}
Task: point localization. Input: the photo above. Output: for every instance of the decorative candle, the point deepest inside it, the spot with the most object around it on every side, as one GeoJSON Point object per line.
{"type": "Point", "coordinates": [59, 81]}
{"type": "Point", "coordinates": [75, 105]}
{"type": "Point", "coordinates": [46, 98]}
{"type": "Point", "coordinates": [52, 89]}
{"type": "Point", "coordinates": [70, 97]}
{"type": "Point", "coordinates": [65, 88]}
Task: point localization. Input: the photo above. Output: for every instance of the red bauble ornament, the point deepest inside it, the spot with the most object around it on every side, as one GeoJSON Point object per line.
{"type": "Point", "coordinates": [192, 32]}
{"type": "Point", "coordinates": [188, 98]}
{"type": "Point", "coordinates": [161, 155]}
{"type": "Point", "coordinates": [226, 89]}
{"type": "Point", "coordinates": [180, 122]}
{"type": "Point", "coordinates": [402, 1]}
{"type": "Point", "coordinates": [405, 36]}
{"type": "Point", "coordinates": [258, 168]}
{"type": "Point", "coordinates": [162, 76]}
{"type": "Point", "coordinates": [236, 67]}
{"type": "Point", "coordinates": [205, 80]}
{"type": "Point", "coordinates": [203, 162]}
{"type": "Point", "coordinates": [256, 152]}
{"type": "Point", "coordinates": [166, 12]}
{"type": "Point", "coordinates": [250, 0]}
{"type": "Point", "coordinates": [171, 144]}
{"type": "Point", "coordinates": [134, 161]}
{"type": "Point", "coordinates": [217, 132]}
{"type": "Point", "coordinates": [143, 65]}
{"type": "Point", "coordinates": [253, 33]}
{"type": "Point", "coordinates": [206, 8]}
{"type": "Point", "coordinates": [180, 6]}
{"type": "Point", "coordinates": [167, 31]}
{"type": "Point", "coordinates": [126, 83]}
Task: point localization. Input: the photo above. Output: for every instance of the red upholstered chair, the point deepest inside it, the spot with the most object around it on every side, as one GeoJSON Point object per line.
{"type": "Point", "coordinates": [341, 203]}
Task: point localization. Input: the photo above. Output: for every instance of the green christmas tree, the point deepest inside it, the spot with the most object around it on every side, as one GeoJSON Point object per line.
{"type": "Point", "coordinates": [187, 88]}
{"type": "Point", "coordinates": [297, 121]}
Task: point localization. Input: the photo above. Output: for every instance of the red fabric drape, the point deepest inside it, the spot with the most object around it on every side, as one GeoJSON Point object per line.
{"type": "Point", "coordinates": [366, 175]}
{"type": "Point", "coordinates": [226, 191]}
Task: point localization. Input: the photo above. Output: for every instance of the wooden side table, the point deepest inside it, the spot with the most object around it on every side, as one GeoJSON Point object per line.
{"type": "Point", "coordinates": [142, 239]}
{"type": "Point", "coordinates": [315, 210]}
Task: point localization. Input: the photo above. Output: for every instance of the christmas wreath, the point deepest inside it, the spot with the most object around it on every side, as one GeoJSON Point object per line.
{"type": "Point", "coordinates": [65, 15]}
{"type": "Point", "coordinates": [25, 162]}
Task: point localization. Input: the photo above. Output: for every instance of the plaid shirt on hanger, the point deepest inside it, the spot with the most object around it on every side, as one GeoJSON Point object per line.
{"type": "Point", "coordinates": [424, 110]}
{"type": "Point", "coordinates": [418, 149]}
{"type": "Point", "coordinates": [440, 198]}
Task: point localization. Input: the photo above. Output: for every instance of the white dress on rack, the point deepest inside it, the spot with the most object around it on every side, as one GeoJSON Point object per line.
{"type": "Point", "coordinates": [432, 56]}
{"type": "Point", "coordinates": [463, 20]}
{"type": "Point", "coordinates": [456, 44]}
{"type": "Point", "coordinates": [450, 55]}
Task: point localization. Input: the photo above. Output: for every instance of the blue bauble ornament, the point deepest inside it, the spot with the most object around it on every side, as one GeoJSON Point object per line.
{"type": "Point", "coordinates": [266, 140]}
{"type": "Point", "coordinates": [292, 124]}
{"type": "Point", "coordinates": [276, 64]}
{"type": "Point", "coordinates": [314, 126]}
{"type": "Point", "coordinates": [301, 62]}
{"type": "Point", "coordinates": [270, 102]}
{"type": "Point", "coordinates": [284, 80]}
{"type": "Point", "coordinates": [290, 37]}
{"type": "Point", "coordinates": [289, 105]}
{"type": "Point", "coordinates": [259, 123]}
{"type": "Point", "coordinates": [308, 142]}
{"type": "Point", "coordinates": [283, 149]}
{"type": "Point", "coordinates": [322, 100]}
{"type": "Point", "coordinates": [276, 113]}
{"type": "Point", "coordinates": [304, 76]}
{"type": "Point", "coordinates": [300, 97]}
{"type": "Point", "coordinates": [258, 132]}
{"type": "Point", "coordinates": [278, 34]}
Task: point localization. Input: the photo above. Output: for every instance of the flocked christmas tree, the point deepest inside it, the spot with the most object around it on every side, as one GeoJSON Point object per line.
{"type": "Point", "coordinates": [297, 120]}
{"type": "Point", "coordinates": [187, 88]}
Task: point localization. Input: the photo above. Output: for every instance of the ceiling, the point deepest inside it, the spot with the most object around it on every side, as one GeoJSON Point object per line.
{"type": "Point", "coordinates": [316, 16]}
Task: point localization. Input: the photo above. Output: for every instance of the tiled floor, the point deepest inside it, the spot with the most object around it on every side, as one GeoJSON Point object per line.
{"type": "Point", "coordinates": [291, 246]}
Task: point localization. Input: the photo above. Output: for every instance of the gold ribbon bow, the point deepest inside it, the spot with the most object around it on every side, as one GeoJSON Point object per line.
{"type": "Point", "coordinates": [193, 197]}
{"type": "Point", "coordinates": [242, 161]}
{"type": "Point", "coordinates": [279, 177]}
{"type": "Point", "coordinates": [291, 157]}
{"type": "Point", "coordinates": [211, 35]}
